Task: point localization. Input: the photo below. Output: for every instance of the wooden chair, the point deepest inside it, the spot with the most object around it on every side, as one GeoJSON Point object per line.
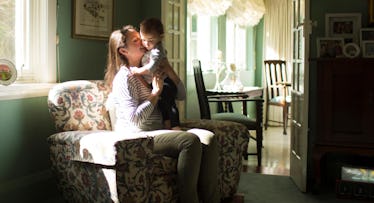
{"type": "Point", "coordinates": [277, 89]}
{"type": "Point", "coordinates": [251, 124]}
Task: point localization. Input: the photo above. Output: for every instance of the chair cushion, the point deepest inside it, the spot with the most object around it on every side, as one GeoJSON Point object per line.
{"type": "Point", "coordinates": [236, 117]}
{"type": "Point", "coordinates": [280, 100]}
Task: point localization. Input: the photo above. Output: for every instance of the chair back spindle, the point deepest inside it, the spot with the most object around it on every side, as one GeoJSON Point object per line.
{"type": "Point", "coordinates": [276, 73]}
{"type": "Point", "coordinates": [200, 88]}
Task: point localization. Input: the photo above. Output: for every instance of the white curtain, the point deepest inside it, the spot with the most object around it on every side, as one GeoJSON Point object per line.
{"type": "Point", "coordinates": [208, 7]}
{"type": "Point", "coordinates": [278, 30]}
{"type": "Point", "coordinates": [246, 13]}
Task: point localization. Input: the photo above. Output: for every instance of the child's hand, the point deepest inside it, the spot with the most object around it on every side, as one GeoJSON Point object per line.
{"type": "Point", "coordinates": [134, 70]}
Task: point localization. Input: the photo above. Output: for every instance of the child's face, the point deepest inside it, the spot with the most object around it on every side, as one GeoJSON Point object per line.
{"type": "Point", "coordinates": [149, 40]}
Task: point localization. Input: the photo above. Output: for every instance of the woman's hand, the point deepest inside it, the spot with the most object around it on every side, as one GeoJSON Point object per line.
{"type": "Point", "coordinates": [157, 85]}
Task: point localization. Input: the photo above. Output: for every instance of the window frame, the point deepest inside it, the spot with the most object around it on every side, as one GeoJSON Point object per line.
{"type": "Point", "coordinates": [36, 60]}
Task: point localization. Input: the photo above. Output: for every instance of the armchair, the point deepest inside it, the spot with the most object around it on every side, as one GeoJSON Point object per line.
{"type": "Point", "coordinates": [92, 163]}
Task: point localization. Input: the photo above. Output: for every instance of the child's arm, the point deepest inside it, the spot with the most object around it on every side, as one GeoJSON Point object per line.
{"type": "Point", "coordinates": [140, 70]}
{"type": "Point", "coordinates": [156, 55]}
{"type": "Point", "coordinates": [169, 71]}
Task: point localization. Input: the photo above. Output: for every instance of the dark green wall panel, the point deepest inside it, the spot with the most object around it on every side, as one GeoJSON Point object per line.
{"type": "Point", "coordinates": [86, 58]}
{"type": "Point", "coordinates": [24, 153]}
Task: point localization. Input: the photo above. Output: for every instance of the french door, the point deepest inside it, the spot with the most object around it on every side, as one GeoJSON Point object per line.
{"type": "Point", "coordinates": [174, 18]}
{"type": "Point", "coordinates": [300, 92]}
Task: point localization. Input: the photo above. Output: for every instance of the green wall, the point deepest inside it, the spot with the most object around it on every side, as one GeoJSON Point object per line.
{"type": "Point", "coordinates": [24, 156]}
{"type": "Point", "coordinates": [86, 58]}
{"type": "Point", "coordinates": [259, 32]}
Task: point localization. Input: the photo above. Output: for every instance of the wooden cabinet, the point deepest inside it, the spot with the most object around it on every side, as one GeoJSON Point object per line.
{"type": "Point", "coordinates": [345, 108]}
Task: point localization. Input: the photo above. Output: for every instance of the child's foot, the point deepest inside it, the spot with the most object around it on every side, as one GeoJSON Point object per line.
{"type": "Point", "coordinates": [176, 128]}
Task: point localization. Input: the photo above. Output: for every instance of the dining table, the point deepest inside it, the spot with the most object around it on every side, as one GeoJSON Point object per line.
{"type": "Point", "coordinates": [236, 95]}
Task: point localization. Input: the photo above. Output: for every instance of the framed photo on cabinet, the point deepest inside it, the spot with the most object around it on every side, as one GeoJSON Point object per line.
{"type": "Point", "coordinates": [92, 19]}
{"type": "Point", "coordinates": [345, 25]}
{"type": "Point", "coordinates": [368, 49]}
{"type": "Point", "coordinates": [330, 47]}
{"type": "Point", "coordinates": [366, 34]}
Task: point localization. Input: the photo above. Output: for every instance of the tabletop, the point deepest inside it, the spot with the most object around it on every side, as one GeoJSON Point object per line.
{"type": "Point", "coordinates": [249, 91]}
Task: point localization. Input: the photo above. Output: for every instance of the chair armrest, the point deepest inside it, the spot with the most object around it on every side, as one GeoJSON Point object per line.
{"type": "Point", "coordinates": [98, 147]}
{"type": "Point", "coordinates": [233, 140]}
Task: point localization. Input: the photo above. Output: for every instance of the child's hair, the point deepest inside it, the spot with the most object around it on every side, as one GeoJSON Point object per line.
{"type": "Point", "coordinates": [152, 25]}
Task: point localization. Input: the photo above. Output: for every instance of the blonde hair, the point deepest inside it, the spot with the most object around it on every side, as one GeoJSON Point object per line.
{"type": "Point", "coordinates": [115, 60]}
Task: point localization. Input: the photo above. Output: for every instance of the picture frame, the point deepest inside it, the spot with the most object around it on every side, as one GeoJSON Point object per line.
{"type": "Point", "coordinates": [345, 25]}
{"type": "Point", "coordinates": [366, 34]}
{"type": "Point", "coordinates": [92, 19]}
{"type": "Point", "coordinates": [351, 50]}
{"type": "Point", "coordinates": [368, 49]}
{"type": "Point", "coordinates": [330, 47]}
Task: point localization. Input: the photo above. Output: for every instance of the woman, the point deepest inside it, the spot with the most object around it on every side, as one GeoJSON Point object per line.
{"type": "Point", "coordinates": [135, 101]}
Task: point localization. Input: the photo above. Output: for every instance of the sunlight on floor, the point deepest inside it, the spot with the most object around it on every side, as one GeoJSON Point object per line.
{"type": "Point", "coordinates": [275, 153]}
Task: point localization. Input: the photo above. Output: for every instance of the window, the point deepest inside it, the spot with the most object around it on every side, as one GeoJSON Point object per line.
{"type": "Point", "coordinates": [203, 40]}
{"type": "Point", "coordinates": [28, 38]}
{"type": "Point", "coordinates": [208, 36]}
{"type": "Point", "coordinates": [236, 45]}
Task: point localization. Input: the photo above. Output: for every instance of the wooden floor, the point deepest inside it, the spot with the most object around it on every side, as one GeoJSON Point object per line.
{"type": "Point", "coordinates": [275, 153]}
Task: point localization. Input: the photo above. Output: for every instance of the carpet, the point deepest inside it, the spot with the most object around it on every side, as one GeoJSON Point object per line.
{"type": "Point", "coordinates": [260, 188]}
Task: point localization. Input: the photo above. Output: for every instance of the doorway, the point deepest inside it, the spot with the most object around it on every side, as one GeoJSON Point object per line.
{"type": "Point", "coordinates": [275, 154]}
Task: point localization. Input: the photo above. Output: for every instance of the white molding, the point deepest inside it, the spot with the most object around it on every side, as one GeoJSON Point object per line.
{"type": "Point", "coordinates": [22, 91]}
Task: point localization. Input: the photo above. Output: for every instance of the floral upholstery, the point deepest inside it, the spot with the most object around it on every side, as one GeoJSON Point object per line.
{"type": "Point", "coordinates": [94, 164]}
{"type": "Point", "coordinates": [79, 105]}
{"type": "Point", "coordinates": [233, 141]}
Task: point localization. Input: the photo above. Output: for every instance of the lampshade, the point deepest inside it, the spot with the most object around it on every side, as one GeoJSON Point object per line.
{"type": "Point", "coordinates": [208, 7]}
{"type": "Point", "coordinates": [246, 12]}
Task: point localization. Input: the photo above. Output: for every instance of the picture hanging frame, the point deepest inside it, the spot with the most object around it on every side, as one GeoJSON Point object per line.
{"type": "Point", "coordinates": [344, 25]}
{"type": "Point", "coordinates": [330, 47]}
{"type": "Point", "coordinates": [368, 49]}
{"type": "Point", "coordinates": [92, 19]}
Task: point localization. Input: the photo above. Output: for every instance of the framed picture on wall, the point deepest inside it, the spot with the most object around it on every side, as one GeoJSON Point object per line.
{"type": "Point", "coordinates": [344, 25]}
{"type": "Point", "coordinates": [330, 47]}
{"type": "Point", "coordinates": [92, 19]}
